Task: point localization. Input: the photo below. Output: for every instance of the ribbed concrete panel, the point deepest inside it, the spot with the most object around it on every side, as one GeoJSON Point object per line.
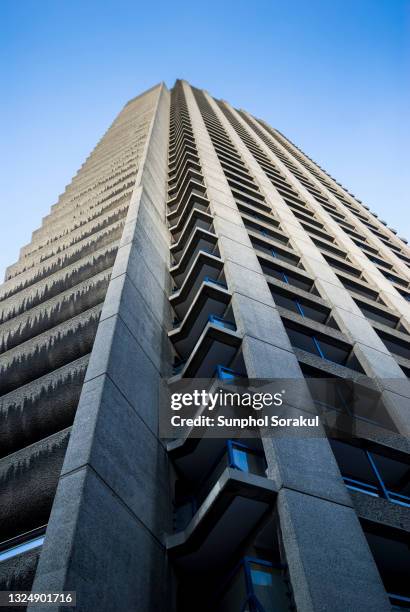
{"type": "Point", "coordinates": [115, 461]}
{"type": "Point", "coordinates": [50, 307]}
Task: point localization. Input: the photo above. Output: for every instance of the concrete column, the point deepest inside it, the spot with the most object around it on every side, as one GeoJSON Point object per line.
{"type": "Point", "coordinates": [330, 564]}
{"type": "Point", "coordinates": [112, 506]}
{"type": "Point", "coordinates": [372, 353]}
{"type": "Point", "coordinates": [374, 240]}
{"type": "Point", "coordinates": [391, 296]}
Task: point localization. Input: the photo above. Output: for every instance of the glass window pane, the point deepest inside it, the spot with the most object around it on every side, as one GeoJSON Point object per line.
{"type": "Point", "coordinates": [334, 353]}
{"type": "Point", "coordinates": [240, 459]}
{"type": "Point", "coordinates": [284, 301]}
{"type": "Point", "coordinates": [395, 474]}
{"type": "Point", "coordinates": [269, 588]}
{"type": "Point", "coordinates": [314, 313]}
{"type": "Point", "coordinates": [353, 462]}
{"type": "Point", "coordinates": [301, 340]}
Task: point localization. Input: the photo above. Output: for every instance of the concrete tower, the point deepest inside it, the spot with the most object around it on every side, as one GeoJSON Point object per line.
{"type": "Point", "coordinates": [198, 242]}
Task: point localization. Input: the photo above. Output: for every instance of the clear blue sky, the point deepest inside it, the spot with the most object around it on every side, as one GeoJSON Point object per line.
{"type": "Point", "coordinates": [332, 74]}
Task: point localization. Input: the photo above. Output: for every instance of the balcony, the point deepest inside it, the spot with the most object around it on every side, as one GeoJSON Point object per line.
{"type": "Point", "coordinates": [258, 230]}
{"type": "Point", "coordinates": [399, 602]}
{"type": "Point", "coordinates": [179, 187]}
{"type": "Point", "coordinates": [19, 558]}
{"type": "Point", "coordinates": [22, 543]}
{"type": "Point", "coordinates": [300, 302]}
{"type": "Point", "coordinates": [205, 268]}
{"type": "Point", "coordinates": [358, 287]}
{"type": "Point", "coordinates": [190, 163]}
{"type": "Point", "coordinates": [379, 314]}
{"type": "Point", "coordinates": [182, 135]}
{"type": "Point", "coordinates": [196, 218]}
{"type": "Point", "coordinates": [273, 248]}
{"type": "Point", "coordinates": [234, 506]}
{"type": "Point", "coordinates": [176, 203]}
{"type": "Point", "coordinates": [189, 154]}
{"type": "Point", "coordinates": [255, 219]}
{"type": "Point", "coordinates": [339, 263]}
{"type": "Point", "coordinates": [185, 141]}
{"type": "Point", "coordinates": [195, 203]}
{"type": "Point", "coordinates": [201, 469]}
{"type": "Point", "coordinates": [286, 273]}
{"type": "Point", "coordinates": [217, 344]}
{"type": "Point", "coordinates": [328, 247]}
{"type": "Point", "coordinates": [395, 279]}
{"type": "Point", "coordinates": [396, 342]}
{"type": "Point", "coordinates": [195, 236]}
{"type": "Point", "coordinates": [209, 304]}
{"type": "Point", "coordinates": [374, 474]}
{"type": "Point", "coordinates": [325, 343]}
{"type": "Point", "coordinates": [250, 199]}
{"type": "Point", "coordinates": [193, 195]}
{"type": "Point", "coordinates": [29, 479]}
{"type": "Point", "coordinates": [201, 241]}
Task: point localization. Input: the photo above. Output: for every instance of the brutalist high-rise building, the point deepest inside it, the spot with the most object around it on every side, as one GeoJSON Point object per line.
{"type": "Point", "coordinates": [196, 241]}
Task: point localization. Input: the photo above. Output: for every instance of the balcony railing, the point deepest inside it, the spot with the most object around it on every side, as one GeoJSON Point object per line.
{"type": "Point", "coordinates": [399, 602]}
{"type": "Point", "coordinates": [234, 455]}
{"type": "Point", "coordinates": [22, 543]}
{"type": "Point", "coordinates": [217, 320]}
{"type": "Point", "coordinates": [224, 373]}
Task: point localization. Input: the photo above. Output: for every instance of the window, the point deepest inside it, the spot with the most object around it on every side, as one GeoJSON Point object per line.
{"type": "Point", "coordinates": [378, 315]}
{"type": "Point", "coordinates": [395, 345]}
{"type": "Point", "coordinates": [246, 459]}
{"type": "Point", "coordinates": [358, 288]}
{"type": "Point", "coordinates": [392, 556]}
{"type": "Point", "coordinates": [307, 341]}
{"type": "Point", "coordinates": [373, 473]}
{"type": "Point", "coordinates": [393, 278]}
{"type": "Point", "coordinates": [340, 265]}
{"type": "Point", "coordinates": [257, 585]}
{"type": "Point", "coordinates": [189, 495]}
{"type": "Point", "coordinates": [274, 251]}
{"type": "Point", "coordinates": [299, 305]}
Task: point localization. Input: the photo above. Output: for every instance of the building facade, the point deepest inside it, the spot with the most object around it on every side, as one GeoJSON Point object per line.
{"type": "Point", "coordinates": [198, 242]}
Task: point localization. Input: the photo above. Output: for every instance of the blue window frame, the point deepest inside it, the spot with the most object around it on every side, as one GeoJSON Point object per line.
{"type": "Point", "coordinates": [22, 547]}
{"type": "Point", "coordinates": [235, 455]}
{"type": "Point", "coordinates": [209, 279]}
{"type": "Point", "coordinates": [299, 307]}
{"type": "Point", "coordinates": [318, 347]}
{"type": "Point", "coordinates": [216, 320]}
{"type": "Point", "coordinates": [399, 602]}
{"type": "Point", "coordinates": [373, 474]}
{"type": "Point", "coordinates": [227, 374]}
{"type": "Point", "coordinates": [246, 459]}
